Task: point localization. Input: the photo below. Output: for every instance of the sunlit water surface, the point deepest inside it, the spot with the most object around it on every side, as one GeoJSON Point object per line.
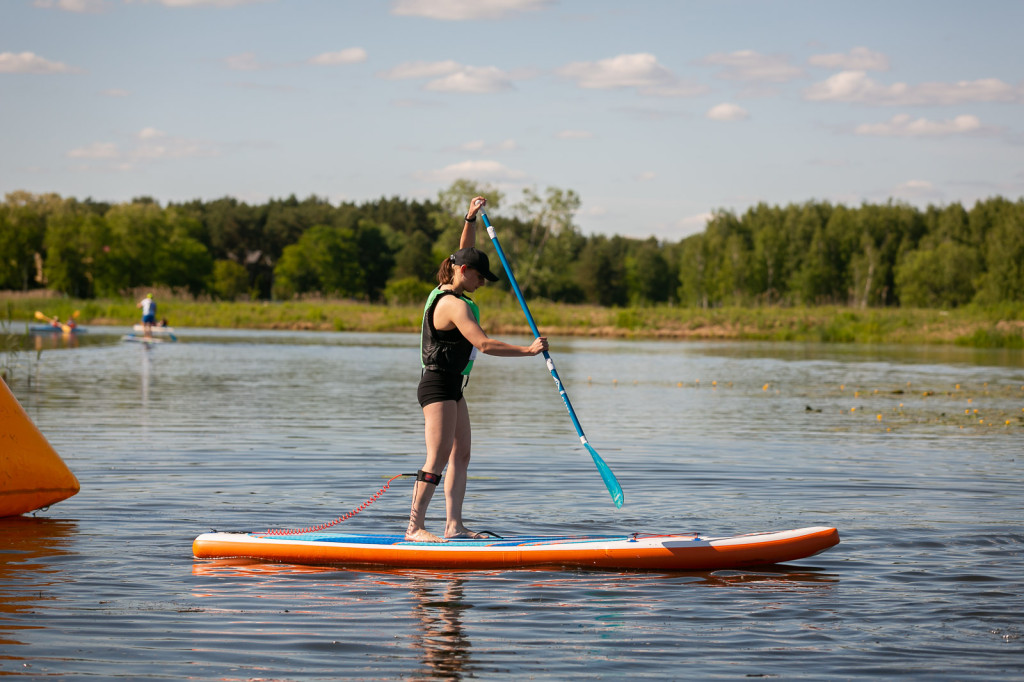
{"type": "Point", "coordinates": [913, 453]}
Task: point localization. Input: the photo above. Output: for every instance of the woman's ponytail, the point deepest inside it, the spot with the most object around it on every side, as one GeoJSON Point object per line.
{"type": "Point", "coordinates": [446, 273]}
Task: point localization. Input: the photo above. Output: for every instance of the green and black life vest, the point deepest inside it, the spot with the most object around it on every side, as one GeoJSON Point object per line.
{"type": "Point", "coordinates": [448, 351]}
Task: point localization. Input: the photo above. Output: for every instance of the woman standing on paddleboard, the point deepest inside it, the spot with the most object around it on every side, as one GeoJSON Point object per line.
{"type": "Point", "coordinates": [451, 335]}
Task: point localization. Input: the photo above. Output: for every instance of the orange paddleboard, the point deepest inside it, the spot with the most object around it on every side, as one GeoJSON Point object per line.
{"type": "Point", "coordinates": [32, 474]}
{"type": "Point", "coordinates": [689, 552]}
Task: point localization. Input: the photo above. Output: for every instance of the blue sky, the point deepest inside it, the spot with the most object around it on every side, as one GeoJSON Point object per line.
{"type": "Point", "coordinates": [655, 112]}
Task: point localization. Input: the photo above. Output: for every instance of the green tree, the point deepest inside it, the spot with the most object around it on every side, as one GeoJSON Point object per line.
{"type": "Point", "coordinates": [693, 272]}
{"type": "Point", "coordinates": [415, 258]}
{"type": "Point", "coordinates": [447, 217]}
{"type": "Point", "coordinates": [770, 268]}
{"type": "Point", "coordinates": [885, 232]}
{"type": "Point", "coordinates": [1004, 255]}
{"type": "Point", "coordinates": [940, 277]}
{"type": "Point", "coordinates": [729, 251]}
{"type": "Point", "coordinates": [230, 280]}
{"type": "Point", "coordinates": [648, 275]}
{"type": "Point", "coordinates": [376, 258]}
{"type": "Point", "coordinates": [324, 260]}
{"type": "Point", "coordinates": [23, 219]}
{"type": "Point", "coordinates": [136, 232]}
{"type": "Point", "coordinates": [73, 252]}
{"type": "Point", "coordinates": [545, 240]}
{"type": "Point", "coordinates": [183, 259]}
{"type": "Point", "coordinates": [601, 271]}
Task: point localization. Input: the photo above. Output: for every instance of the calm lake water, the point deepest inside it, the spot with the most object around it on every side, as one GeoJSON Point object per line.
{"type": "Point", "coordinates": [915, 454]}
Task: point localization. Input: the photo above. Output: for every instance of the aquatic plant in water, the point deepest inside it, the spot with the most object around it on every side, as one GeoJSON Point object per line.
{"type": "Point", "coordinates": [11, 349]}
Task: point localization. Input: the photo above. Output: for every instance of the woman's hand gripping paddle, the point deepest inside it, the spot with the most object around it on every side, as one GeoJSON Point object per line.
{"type": "Point", "coordinates": [606, 474]}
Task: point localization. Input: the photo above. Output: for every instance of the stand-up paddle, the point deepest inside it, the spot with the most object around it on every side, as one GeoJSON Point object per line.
{"type": "Point", "coordinates": [606, 474]}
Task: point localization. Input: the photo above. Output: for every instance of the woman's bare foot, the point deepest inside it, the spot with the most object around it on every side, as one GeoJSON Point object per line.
{"type": "Point", "coordinates": [422, 535]}
{"type": "Point", "coordinates": [461, 532]}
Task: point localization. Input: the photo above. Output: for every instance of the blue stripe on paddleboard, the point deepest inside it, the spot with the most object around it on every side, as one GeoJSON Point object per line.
{"type": "Point", "coordinates": [512, 541]}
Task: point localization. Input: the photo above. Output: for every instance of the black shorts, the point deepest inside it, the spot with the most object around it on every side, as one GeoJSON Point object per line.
{"type": "Point", "coordinates": [436, 387]}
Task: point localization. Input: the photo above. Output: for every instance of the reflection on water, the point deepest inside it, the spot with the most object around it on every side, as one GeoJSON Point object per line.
{"type": "Point", "coordinates": [30, 556]}
{"type": "Point", "coordinates": [242, 430]}
{"type": "Point", "coordinates": [460, 621]}
{"type": "Point", "coordinates": [41, 342]}
{"type": "Point", "coordinates": [438, 606]}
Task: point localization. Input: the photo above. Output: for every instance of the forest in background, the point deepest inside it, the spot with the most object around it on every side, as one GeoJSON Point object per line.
{"type": "Point", "coordinates": [387, 250]}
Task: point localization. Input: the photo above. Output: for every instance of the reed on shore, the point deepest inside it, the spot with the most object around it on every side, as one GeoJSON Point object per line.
{"type": "Point", "coordinates": [995, 327]}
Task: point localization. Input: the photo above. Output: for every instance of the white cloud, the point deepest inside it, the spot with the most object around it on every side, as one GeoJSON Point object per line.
{"type": "Point", "coordinates": [265, 87]}
{"type": "Point", "coordinates": [150, 145]}
{"type": "Point", "coordinates": [451, 76]}
{"type": "Point", "coordinates": [160, 146]}
{"type": "Point", "coordinates": [830, 163]}
{"type": "Point", "coordinates": [916, 189]}
{"type": "Point", "coordinates": [641, 71]}
{"type": "Point", "coordinates": [77, 6]}
{"type": "Point", "coordinates": [201, 3]}
{"type": "Point", "coordinates": [480, 171]}
{"type": "Point", "coordinates": [646, 176]}
{"type": "Point", "coordinates": [857, 59]}
{"type": "Point", "coordinates": [351, 55]}
{"type": "Point", "coordinates": [727, 112]}
{"type": "Point", "coordinates": [472, 79]}
{"type": "Point", "coordinates": [412, 103]}
{"type": "Point", "coordinates": [150, 134]}
{"type": "Point", "coordinates": [481, 147]}
{"type": "Point", "coordinates": [575, 135]}
{"type": "Point", "coordinates": [693, 224]}
{"type": "Point", "coordinates": [747, 65]}
{"type": "Point", "coordinates": [29, 62]}
{"type": "Point", "coordinates": [902, 125]}
{"type": "Point", "coordinates": [115, 92]}
{"type": "Point", "coordinates": [855, 86]}
{"type": "Point", "coordinates": [464, 10]}
{"type": "Point", "coordinates": [96, 150]}
{"type": "Point", "coordinates": [245, 61]}
{"type": "Point", "coordinates": [420, 70]}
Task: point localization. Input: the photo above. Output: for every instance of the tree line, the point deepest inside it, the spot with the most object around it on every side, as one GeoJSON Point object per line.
{"type": "Point", "coordinates": [389, 249]}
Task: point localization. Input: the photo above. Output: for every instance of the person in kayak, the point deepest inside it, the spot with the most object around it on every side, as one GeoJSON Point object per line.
{"type": "Point", "coordinates": [451, 335]}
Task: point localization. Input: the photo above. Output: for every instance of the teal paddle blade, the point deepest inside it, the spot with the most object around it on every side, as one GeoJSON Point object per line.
{"type": "Point", "coordinates": [607, 476]}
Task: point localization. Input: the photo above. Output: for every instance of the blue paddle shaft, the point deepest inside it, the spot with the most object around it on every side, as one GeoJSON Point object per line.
{"type": "Point", "coordinates": [607, 476]}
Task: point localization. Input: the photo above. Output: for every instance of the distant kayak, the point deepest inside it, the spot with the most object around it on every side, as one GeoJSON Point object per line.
{"type": "Point", "coordinates": [685, 552]}
{"type": "Point", "coordinates": [50, 329]}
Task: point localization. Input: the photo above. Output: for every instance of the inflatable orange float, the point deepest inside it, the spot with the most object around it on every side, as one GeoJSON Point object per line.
{"type": "Point", "coordinates": [32, 474]}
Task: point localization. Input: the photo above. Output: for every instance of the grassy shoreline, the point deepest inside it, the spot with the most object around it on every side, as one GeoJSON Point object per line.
{"type": "Point", "coordinates": [1000, 327]}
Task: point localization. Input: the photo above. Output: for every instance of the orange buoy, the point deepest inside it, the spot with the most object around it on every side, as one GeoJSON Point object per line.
{"type": "Point", "coordinates": [32, 474]}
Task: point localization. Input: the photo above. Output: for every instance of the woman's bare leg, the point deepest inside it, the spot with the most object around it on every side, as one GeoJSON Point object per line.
{"type": "Point", "coordinates": [458, 472]}
{"type": "Point", "coordinates": [440, 420]}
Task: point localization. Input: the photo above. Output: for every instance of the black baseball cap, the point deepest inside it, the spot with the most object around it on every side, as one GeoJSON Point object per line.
{"type": "Point", "coordinates": [476, 259]}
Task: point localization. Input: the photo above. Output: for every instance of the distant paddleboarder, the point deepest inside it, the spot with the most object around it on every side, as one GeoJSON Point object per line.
{"type": "Point", "coordinates": [148, 306]}
{"type": "Point", "coordinates": [450, 337]}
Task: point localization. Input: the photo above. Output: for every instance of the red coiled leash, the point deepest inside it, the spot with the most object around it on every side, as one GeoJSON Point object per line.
{"type": "Point", "coordinates": [345, 517]}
